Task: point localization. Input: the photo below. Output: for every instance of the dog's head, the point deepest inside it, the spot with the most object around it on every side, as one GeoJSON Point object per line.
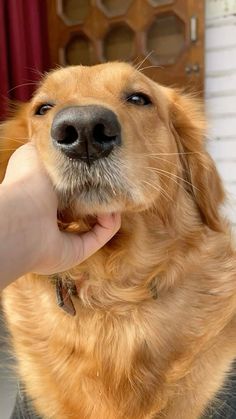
{"type": "Point", "coordinates": [113, 140]}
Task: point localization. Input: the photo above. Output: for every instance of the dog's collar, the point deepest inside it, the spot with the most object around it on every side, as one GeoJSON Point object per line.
{"type": "Point", "coordinates": [64, 292]}
{"type": "Point", "coordinates": [67, 289]}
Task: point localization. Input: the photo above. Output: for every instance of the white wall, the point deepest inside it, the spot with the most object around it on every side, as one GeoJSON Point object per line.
{"type": "Point", "coordinates": [220, 91]}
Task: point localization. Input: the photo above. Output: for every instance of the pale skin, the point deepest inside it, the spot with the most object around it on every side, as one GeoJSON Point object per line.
{"type": "Point", "coordinates": [30, 240]}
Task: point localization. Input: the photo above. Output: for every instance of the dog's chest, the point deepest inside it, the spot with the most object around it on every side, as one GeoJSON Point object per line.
{"type": "Point", "coordinates": [111, 358]}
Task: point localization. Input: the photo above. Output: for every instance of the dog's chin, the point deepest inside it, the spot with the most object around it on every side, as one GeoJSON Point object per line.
{"type": "Point", "coordinates": [94, 205]}
{"type": "Point", "coordinates": [89, 202]}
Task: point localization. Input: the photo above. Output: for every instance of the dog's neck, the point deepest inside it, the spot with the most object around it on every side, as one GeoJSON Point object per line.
{"type": "Point", "coordinates": [142, 256]}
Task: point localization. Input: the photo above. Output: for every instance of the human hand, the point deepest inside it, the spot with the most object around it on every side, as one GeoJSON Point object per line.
{"type": "Point", "coordinates": [34, 206]}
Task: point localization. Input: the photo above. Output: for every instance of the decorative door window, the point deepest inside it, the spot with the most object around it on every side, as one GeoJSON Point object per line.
{"type": "Point", "coordinates": [167, 35]}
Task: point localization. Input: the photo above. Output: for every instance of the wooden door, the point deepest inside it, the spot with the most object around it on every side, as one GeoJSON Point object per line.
{"type": "Point", "coordinates": [165, 36]}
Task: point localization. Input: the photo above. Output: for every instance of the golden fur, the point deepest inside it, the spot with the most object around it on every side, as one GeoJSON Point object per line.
{"type": "Point", "coordinates": [126, 354]}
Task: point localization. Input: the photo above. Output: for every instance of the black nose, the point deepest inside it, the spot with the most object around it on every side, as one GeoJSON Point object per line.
{"type": "Point", "coordinates": [86, 132]}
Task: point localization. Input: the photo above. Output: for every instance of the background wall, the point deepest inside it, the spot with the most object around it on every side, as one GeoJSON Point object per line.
{"type": "Point", "coordinates": [220, 91]}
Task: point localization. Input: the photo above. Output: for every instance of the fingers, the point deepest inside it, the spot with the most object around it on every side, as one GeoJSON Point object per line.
{"type": "Point", "coordinates": [22, 162]}
{"type": "Point", "coordinates": [77, 248]}
{"type": "Point", "coordinates": [107, 225]}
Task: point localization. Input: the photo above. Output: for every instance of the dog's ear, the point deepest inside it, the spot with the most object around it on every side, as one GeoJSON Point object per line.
{"type": "Point", "coordinates": [203, 181]}
{"type": "Point", "coordinates": [13, 134]}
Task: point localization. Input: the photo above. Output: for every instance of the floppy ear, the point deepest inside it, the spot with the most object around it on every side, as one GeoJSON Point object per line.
{"type": "Point", "coordinates": [189, 127]}
{"type": "Point", "coordinates": [13, 134]}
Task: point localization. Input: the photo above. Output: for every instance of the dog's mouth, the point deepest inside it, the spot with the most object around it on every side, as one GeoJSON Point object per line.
{"type": "Point", "coordinates": [99, 187]}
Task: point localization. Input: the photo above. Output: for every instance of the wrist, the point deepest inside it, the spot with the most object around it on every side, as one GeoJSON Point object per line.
{"type": "Point", "coordinates": [18, 241]}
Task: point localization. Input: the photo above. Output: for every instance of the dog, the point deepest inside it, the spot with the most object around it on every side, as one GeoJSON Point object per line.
{"type": "Point", "coordinates": [148, 329]}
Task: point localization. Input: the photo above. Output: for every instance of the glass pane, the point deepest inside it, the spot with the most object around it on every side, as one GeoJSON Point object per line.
{"type": "Point", "coordinates": [119, 44]}
{"type": "Point", "coordinates": [114, 7]}
{"type": "Point", "coordinates": [166, 38]}
{"type": "Point", "coordinates": [75, 10]}
{"type": "Point", "coordinates": [160, 2]}
{"type": "Point", "coordinates": [78, 51]}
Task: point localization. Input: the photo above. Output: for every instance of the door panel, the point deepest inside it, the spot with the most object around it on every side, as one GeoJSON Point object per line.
{"type": "Point", "coordinates": [166, 36]}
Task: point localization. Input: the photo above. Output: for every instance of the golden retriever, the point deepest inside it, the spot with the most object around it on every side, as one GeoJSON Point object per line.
{"type": "Point", "coordinates": [153, 335]}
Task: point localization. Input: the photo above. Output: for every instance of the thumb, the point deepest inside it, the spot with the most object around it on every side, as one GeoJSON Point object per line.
{"type": "Point", "coordinates": [77, 248]}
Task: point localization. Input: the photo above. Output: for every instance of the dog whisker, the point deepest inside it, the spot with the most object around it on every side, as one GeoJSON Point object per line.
{"type": "Point", "coordinates": [159, 159]}
{"type": "Point", "coordinates": [172, 154]}
{"type": "Point", "coordinates": [151, 66]}
{"type": "Point", "coordinates": [7, 149]}
{"type": "Point", "coordinates": [172, 175]}
{"type": "Point", "coordinates": [17, 140]}
{"type": "Point", "coordinates": [158, 189]}
{"type": "Point", "coordinates": [35, 71]}
{"type": "Point", "coordinates": [139, 65]}
{"type": "Point", "coordinates": [22, 85]}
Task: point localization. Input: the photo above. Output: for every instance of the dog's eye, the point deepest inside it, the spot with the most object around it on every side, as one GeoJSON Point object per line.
{"type": "Point", "coordinates": [139, 99]}
{"type": "Point", "coordinates": [42, 109]}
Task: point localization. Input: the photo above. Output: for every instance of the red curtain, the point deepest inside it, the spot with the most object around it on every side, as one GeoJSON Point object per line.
{"type": "Point", "coordinates": [23, 48]}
